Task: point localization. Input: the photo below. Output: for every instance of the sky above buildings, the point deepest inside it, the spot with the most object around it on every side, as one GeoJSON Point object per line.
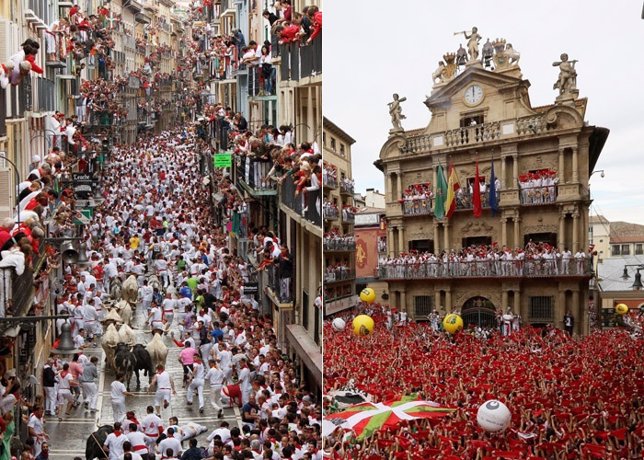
{"type": "Point", "coordinates": [372, 51]}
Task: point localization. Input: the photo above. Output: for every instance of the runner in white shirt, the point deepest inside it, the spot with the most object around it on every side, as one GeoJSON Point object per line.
{"type": "Point", "coordinates": [114, 442]}
{"type": "Point", "coordinates": [215, 378]}
{"type": "Point", "coordinates": [118, 394]}
{"type": "Point", "coordinates": [164, 388]}
{"type": "Point", "coordinates": [152, 426]}
{"type": "Point", "coordinates": [198, 374]}
{"type": "Point", "coordinates": [137, 439]}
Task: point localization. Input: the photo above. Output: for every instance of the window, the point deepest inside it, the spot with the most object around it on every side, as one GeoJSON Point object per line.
{"type": "Point", "coordinates": [638, 250]}
{"type": "Point", "coordinates": [423, 306]}
{"type": "Point", "coordinates": [341, 150]}
{"type": "Point", "coordinates": [615, 250]}
{"type": "Point", "coordinates": [626, 249]}
{"type": "Point", "coordinates": [472, 119]}
{"type": "Point", "coordinates": [541, 308]}
{"type": "Point", "coordinates": [333, 144]}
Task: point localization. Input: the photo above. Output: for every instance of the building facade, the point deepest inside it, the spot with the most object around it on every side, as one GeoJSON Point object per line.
{"type": "Point", "coordinates": [482, 118]}
{"type": "Point", "coordinates": [339, 218]}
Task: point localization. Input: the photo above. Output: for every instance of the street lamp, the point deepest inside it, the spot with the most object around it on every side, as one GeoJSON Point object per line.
{"type": "Point", "coordinates": [637, 282]}
{"type": "Point", "coordinates": [600, 171]}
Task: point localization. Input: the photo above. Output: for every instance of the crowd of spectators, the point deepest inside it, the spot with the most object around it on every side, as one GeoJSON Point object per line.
{"type": "Point", "coordinates": [417, 198]}
{"type": "Point", "coordinates": [538, 187]}
{"type": "Point", "coordinates": [570, 398]}
{"type": "Point", "coordinates": [335, 241]}
{"type": "Point", "coordinates": [535, 259]}
{"type": "Point", "coordinates": [338, 271]}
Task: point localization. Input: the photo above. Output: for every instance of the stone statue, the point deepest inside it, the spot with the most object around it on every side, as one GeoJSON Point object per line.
{"type": "Point", "coordinates": [512, 54]}
{"type": "Point", "coordinates": [395, 111]}
{"type": "Point", "coordinates": [461, 55]}
{"type": "Point", "coordinates": [438, 73]}
{"type": "Point", "coordinates": [473, 40]}
{"type": "Point", "coordinates": [567, 81]}
{"type": "Point", "coordinates": [488, 53]}
{"type": "Point", "coordinates": [446, 69]}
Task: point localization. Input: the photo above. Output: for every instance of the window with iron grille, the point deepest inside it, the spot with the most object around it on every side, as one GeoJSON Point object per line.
{"type": "Point", "coordinates": [626, 249]}
{"type": "Point", "coordinates": [423, 305]}
{"type": "Point", "coordinates": [542, 308]}
{"type": "Point", "coordinates": [615, 250]}
{"type": "Point", "coordinates": [638, 250]}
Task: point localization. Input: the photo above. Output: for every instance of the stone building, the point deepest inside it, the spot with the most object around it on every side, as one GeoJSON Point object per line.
{"type": "Point", "coordinates": [542, 157]}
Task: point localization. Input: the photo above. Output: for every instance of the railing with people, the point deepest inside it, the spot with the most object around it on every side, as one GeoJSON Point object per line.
{"type": "Point", "coordinates": [253, 172]}
{"type": "Point", "coordinates": [417, 207]}
{"type": "Point", "coordinates": [339, 244]}
{"type": "Point", "coordinates": [330, 211]}
{"type": "Point", "coordinates": [307, 204]}
{"type": "Point", "coordinates": [328, 180]}
{"type": "Point", "coordinates": [300, 61]}
{"type": "Point", "coordinates": [346, 187]}
{"type": "Point", "coordinates": [339, 274]}
{"type": "Point", "coordinates": [531, 268]}
{"type": "Point", "coordinates": [16, 291]}
{"type": "Point", "coordinates": [537, 195]}
{"type": "Point", "coordinates": [261, 82]}
{"type": "Point", "coordinates": [348, 215]}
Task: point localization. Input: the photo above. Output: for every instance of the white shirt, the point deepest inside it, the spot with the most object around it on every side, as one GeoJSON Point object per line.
{"type": "Point", "coordinates": [118, 391]}
{"type": "Point", "coordinates": [151, 424]}
{"type": "Point", "coordinates": [170, 443]}
{"type": "Point", "coordinates": [215, 376]}
{"type": "Point", "coordinates": [115, 445]}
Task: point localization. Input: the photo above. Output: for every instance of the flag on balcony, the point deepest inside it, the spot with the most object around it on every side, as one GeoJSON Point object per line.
{"type": "Point", "coordinates": [494, 206]}
{"type": "Point", "coordinates": [476, 194]}
{"type": "Point", "coordinates": [441, 193]}
{"type": "Point", "coordinates": [452, 187]}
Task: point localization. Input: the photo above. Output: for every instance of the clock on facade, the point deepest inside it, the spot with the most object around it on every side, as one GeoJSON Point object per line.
{"type": "Point", "coordinates": [473, 95]}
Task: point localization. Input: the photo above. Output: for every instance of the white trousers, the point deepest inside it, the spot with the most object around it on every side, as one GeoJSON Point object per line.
{"type": "Point", "coordinates": [215, 397]}
{"type": "Point", "coordinates": [90, 393]}
{"type": "Point", "coordinates": [196, 384]}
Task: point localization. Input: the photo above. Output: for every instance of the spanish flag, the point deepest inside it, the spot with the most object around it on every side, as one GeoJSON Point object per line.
{"type": "Point", "coordinates": [452, 187]}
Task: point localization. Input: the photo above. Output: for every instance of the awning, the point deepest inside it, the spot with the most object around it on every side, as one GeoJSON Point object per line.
{"type": "Point", "coordinates": [306, 349]}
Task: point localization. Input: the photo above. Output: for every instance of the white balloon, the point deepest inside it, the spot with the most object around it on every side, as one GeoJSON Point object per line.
{"type": "Point", "coordinates": [338, 324]}
{"type": "Point", "coordinates": [493, 416]}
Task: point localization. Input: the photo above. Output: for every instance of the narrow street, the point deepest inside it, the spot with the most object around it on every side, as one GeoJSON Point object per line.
{"type": "Point", "coordinates": [71, 434]}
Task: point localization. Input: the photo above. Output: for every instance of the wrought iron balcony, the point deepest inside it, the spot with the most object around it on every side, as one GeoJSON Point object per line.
{"type": "Point", "coordinates": [251, 176]}
{"type": "Point", "coordinates": [339, 245]}
{"type": "Point", "coordinates": [306, 204]}
{"type": "Point", "coordinates": [537, 196]}
{"type": "Point", "coordinates": [346, 188]}
{"type": "Point", "coordinates": [299, 61]}
{"type": "Point", "coordinates": [339, 275]}
{"type": "Point", "coordinates": [541, 268]}
{"type": "Point", "coordinates": [329, 181]}
{"type": "Point", "coordinates": [330, 212]}
{"type": "Point", "coordinates": [417, 207]}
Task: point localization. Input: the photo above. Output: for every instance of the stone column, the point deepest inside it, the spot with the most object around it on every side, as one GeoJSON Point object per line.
{"type": "Point", "coordinates": [577, 312]}
{"type": "Point", "coordinates": [515, 170]}
{"type": "Point", "coordinates": [504, 185]}
{"type": "Point", "coordinates": [560, 309]}
{"type": "Point", "coordinates": [309, 114]}
{"type": "Point", "coordinates": [399, 182]}
{"type": "Point", "coordinates": [518, 307]}
{"type": "Point", "coordinates": [517, 232]}
{"type": "Point", "coordinates": [448, 300]}
{"type": "Point", "coordinates": [575, 231]}
{"type": "Point", "coordinates": [436, 238]}
{"type": "Point", "coordinates": [390, 241]}
{"type": "Point", "coordinates": [504, 299]}
{"type": "Point", "coordinates": [504, 231]}
{"type": "Point", "coordinates": [437, 299]}
{"type": "Point", "coordinates": [562, 231]}
{"type": "Point", "coordinates": [575, 164]}
{"type": "Point", "coordinates": [446, 236]}
{"type": "Point", "coordinates": [403, 302]}
{"type": "Point", "coordinates": [401, 239]}
{"type": "Point", "coordinates": [562, 163]}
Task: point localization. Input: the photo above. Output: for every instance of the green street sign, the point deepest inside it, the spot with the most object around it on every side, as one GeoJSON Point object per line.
{"type": "Point", "coordinates": [223, 160]}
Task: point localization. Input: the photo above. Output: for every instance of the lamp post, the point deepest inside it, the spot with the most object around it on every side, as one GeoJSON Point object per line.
{"type": "Point", "coordinates": [637, 282]}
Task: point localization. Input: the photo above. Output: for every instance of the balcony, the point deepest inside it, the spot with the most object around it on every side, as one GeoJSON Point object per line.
{"type": "Point", "coordinates": [57, 60]}
{"type": "Point", "coordinates": [329, 181]}
{"type": "Point", "coordinates": [540, 268]}
{"type": "Point", "coordinates": [478, 134]}
{"type": "Point", "coordinates": [260, 87]}
{"type": "Point", "coordinates": [537, 196]}
{"type": "Point", "coordinates": [37, 13]}
{"type": "Point", "coordinates": [346, 187]}
{"type": "Point", "coordinates": [298, 62]}
{"type": "Point", "coordinates": [16, 292]}
{"type": "Point", "coordinates": [339, 244]}
{"type": "Point", "coordinates": [143, 17]}
{"type": "Point", "coordinates": [273, 289]}
{"type": "Point", "coordinates": [330, 212]}
{"type": "Point", "coordinates": [45, 93]}
{"type": "Point", "coordinates": [339, 275]}
{"type": "Point", "coordinates": [348, 216]}
{"type": "Point", "coordinates": [417, 207]}
{"type": "Point", "coordinates": [306, 204]}
{"type": "Point", "coordinates": [251, 175]}
{"type": "Point", "coordinates": [464, 200]}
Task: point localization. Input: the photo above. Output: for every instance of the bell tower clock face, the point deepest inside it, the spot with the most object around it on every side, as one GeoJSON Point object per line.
{"type": "Point", "coordinates": [473, 95]}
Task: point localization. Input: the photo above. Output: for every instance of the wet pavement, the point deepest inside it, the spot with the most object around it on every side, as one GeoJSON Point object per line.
{"type": "Point", "coordinates": [68, 437]}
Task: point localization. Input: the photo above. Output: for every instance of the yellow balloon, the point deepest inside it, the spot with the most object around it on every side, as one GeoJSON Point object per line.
{"type": "Point", "coordinates": [363, 325]}
{"type": "Point", "coordinates": [621, 308]}
{"type": "Point", "coordinates": [452, 323]}
{"type": "Point", "coordinates": [368, 295]}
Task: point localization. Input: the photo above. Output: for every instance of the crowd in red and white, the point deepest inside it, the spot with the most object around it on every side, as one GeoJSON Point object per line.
{"type": "Point", "coordinates": [538, 187]}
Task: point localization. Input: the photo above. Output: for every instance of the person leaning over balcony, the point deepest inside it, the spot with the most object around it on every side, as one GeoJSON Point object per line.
{"type": "Point", "coordinates": [315, 15]}
{"type": "Point", "coordinates": [284, 264]}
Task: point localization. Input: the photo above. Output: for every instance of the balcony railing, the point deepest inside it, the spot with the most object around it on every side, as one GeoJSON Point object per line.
{"type": "Point", "coordinates": [306, 204]}
{"type": "Point", "coordinates": [44, 90]}
{"type": "Point", "coordinates": [259, 83]}
{"type": "Point", "coordinates": [3, 113]}
{"type": "Point", "coordinates": [536, 196]}
{"type": "Point", "coordinates": [329, 181]}
{"type": "Point", "coordinates": [41, 10]}
{"type": "Point", "coordinates": [348, 216]}
{"type": "Point", "coordinates": [346, 188]}
{"type": "Point", "coordinates": [284, 295]}
{"type": "Point", "coordinates": [301, 61]}
{"type": "Point", "coordinates": [331, 213]}
{"type": "Point", "coordinates": [464, 199]}
{"type": "Point", "coordinates": [541, 268]}
{"type": "Point", "coordinates": [337, 245]}
{"type": "Point", "coordinates": [253, 173]}
{"type": "Point", "coordinates": [417, 207]}
{"type": "Point", "coordinates": [16, 291]}
{"type": "Point", "coordinates": [338, 275]}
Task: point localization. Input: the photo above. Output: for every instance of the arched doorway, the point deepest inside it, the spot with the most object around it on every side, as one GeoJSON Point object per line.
{"type": "Point", "coordinates": [479, 311]}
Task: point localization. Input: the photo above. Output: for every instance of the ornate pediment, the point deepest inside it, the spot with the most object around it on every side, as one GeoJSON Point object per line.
{"type": "Point", "coordinates": [476, 227]}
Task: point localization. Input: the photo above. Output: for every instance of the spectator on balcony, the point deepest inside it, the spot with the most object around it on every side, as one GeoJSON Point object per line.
{"type": "Point", "coordinates": [267, 70]}
{"type": "Point", "coordinates": [270, 17]}
{"type": "Point", "coordinates": [285, 273]}
{"type": "Point", "coordinates": [287, 32]}
{"type": "Point", "coordinates": [315, 15]}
